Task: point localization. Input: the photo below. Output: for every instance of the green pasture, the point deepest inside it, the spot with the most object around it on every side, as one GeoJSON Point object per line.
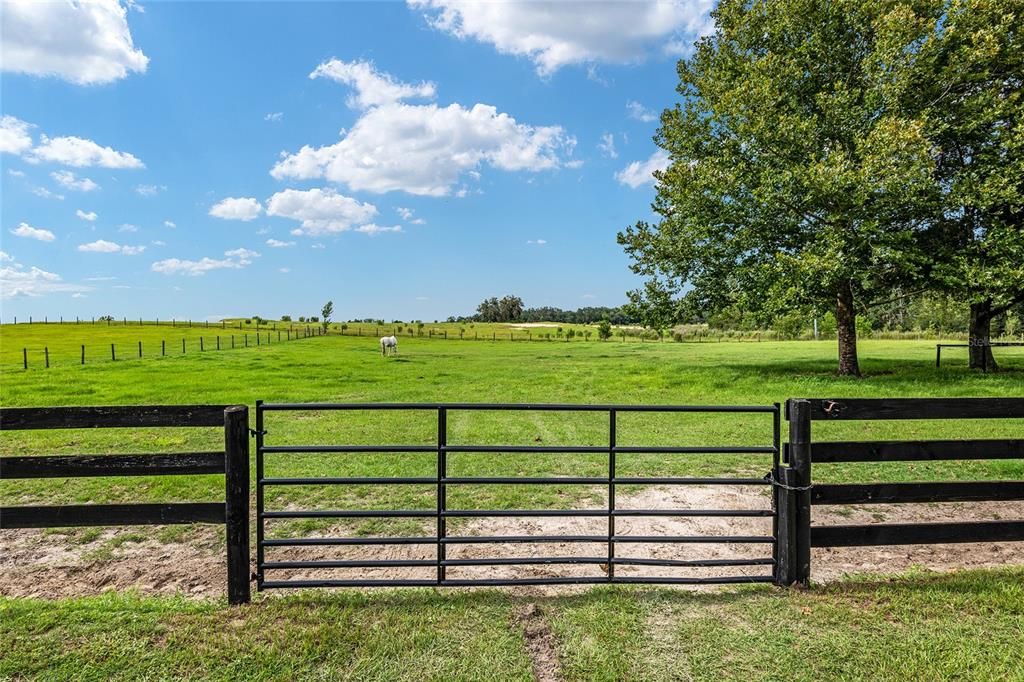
{"type": "Point", "coordinates": [351, 369]}
{"type": "Point", "coordinates": [919, 626]}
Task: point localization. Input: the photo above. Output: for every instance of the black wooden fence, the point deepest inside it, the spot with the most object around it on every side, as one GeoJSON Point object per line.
{"type": "Point", "coordinates": [233, 462]}
{"type": "Point", "coordinates": [798, 494]}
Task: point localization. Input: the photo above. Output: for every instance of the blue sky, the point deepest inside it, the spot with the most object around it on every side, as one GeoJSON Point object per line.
{"type": "Point", "coordinates": [405, 160]}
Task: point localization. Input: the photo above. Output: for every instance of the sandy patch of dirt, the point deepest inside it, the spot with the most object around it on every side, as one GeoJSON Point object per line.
{"type": "Point", "coordinates": [36, 563]}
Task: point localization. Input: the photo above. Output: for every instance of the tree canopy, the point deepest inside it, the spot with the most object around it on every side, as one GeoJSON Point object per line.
{"type": "Point", "coordinates": [813, 163]}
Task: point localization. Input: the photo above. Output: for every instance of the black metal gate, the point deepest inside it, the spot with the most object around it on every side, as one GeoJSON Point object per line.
{"type": "Point", "coordinates": [439, 539]}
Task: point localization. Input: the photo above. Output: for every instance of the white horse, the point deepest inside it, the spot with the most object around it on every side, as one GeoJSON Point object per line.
{"type": "Point", "coordinates": [388, 343]}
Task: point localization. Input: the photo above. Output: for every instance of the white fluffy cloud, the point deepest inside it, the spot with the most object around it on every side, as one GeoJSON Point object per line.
{"type": "Point", "coordinates": [14, 135]}
{"type": "Point", "coordinates": [407, 215]}
{"type": "Point", "coordinates": [29, 232]}
{"type": "Point", "coordinates": [642, 172]}
{"type": "Point", "coordinates": [80, 152]}
{"type": "Point", "coordinates": [16, 281]}
{"type": "Point", "coordinates": [556, 33]}
{"type": "Point", "coordinates": [278, 244]}
{"type": "Point", "coordinates": [85, 42]}
{"type": "Point", "coordinates": [274, 117]}
{"type": "Point", "coordinates": [320, 211]}
{"type": "Point", "coordinates": [640, 112]}
{"type": "Point", "coordinates": [607, 146]}
{"type": "Point", "coordinates": [537, 242]}
{"type": "Point", "coordinates": [90, 216]}
{"type": "Point", "coordinates": [103, 246]}
{"type": "Point", "coordinates": [6, 257]}
{"type": "Point", "coordinates": [170, 223]}
{"type": "Point", "coordinates": [372, 229]}
{"type": "Point", "coordinates": [149, 190]}
{"type": "Point", "coordinates": [71, 181]}
{"type": "Point", "coordinates": [372, 88]}
{"type": "Point", "coordinates": [424, 149]}
{"type": "Point", "coordinates": [237, 208]}
{"type": "Point", "coordinates": [235, 259]}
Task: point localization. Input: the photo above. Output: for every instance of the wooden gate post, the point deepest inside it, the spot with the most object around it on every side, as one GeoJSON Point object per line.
{"type": "Point", "coordinates": [236, 501]}
{"type": "Point", "coordinates": [798, 480]}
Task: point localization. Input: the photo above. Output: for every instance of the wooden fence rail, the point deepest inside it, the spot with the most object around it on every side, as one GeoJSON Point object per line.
{"type": "Point", "coordinates": [797, 493]}
{"type": "Point", "coordinates": [233, 462]}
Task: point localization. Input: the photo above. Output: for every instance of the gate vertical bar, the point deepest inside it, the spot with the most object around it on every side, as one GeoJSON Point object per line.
{"type": "Point", "coordinates": [442, 493]}
{"type": "Point", "coordinates": [259, 494]}
{"type": "Point", "coordinates": [778, 500]}
{"type": "Point", "coordinates": [799, 413]}
{"type": "Point", "coordinates": [236, 501]}
{"type": "Point", "coordinates": [611, 493]}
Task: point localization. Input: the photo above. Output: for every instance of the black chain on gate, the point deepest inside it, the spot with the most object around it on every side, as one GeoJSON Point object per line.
{"type": "Point", "coordinates": [254, 432]}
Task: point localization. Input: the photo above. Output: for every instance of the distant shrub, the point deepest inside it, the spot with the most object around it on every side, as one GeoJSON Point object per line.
{"type": "Point", "coordinates": [286, 318]}
{"type": "Point", "coordinates": [604, 330]}
{"type": "Point", "coordinates": [677, 337]}
{"type": "Point", "coordinates": [302, 318]}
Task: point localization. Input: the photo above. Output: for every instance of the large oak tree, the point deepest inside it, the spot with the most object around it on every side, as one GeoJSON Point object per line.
{"type": "Point", "coordinates": [798, 176]}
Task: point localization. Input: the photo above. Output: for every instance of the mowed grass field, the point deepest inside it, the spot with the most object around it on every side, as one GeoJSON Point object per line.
{"type": "Point", "coordinates": [921, 626]}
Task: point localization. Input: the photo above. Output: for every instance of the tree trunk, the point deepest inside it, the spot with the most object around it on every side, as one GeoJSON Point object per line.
{"type": "Point", "coordinates": [981, 325]}
{"type": "Point", "coordinates": [846, 319]}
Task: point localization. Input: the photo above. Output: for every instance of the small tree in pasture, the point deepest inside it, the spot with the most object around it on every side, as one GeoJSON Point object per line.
{"type": "Point", "coordinates": [286, 318]}
{"type": "Point", "coordinates": [326, 313]}
{"type": "Point", "coordinates": [604, 330]}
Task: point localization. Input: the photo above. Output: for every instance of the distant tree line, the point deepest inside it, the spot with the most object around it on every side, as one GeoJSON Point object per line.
{"type": "Point", "coordinates": [511, 309]}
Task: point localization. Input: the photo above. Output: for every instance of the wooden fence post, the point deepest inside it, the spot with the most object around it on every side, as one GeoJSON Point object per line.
{"type": "Point", "coordinates": [140, 349]}
{"type": "Point", "coordinates": [236, 501]}
{"type": "Point", "coordinates": [24, 357]}
{"type": "Point", "coordinates": [798, 482]}
{"type": "Point", "coordinates": [163, 347]}
{"type": "Point", "coordinates": [83, 353]}
{"type": "Point", "coordinates": [113, 355]}
{"type": "Point", "coordinates": [46, 353]}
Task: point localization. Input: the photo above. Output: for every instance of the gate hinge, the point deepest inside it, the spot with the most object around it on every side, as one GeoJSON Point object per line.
{"type": "Point", "coordinates": [254, 432]}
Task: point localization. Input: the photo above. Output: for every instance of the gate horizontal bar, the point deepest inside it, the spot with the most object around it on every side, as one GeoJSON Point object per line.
{"type": "Point", "coordinates": [511, 480]}
{"type": "Point", "coordinates": [268, 449]}
{"type": "Point", "coordinates": [500, 582]}
{"type": "Point", "coordinates": [499, 407]}
{"type": "Point", "coordinates": [520, 539]}
{"type": "Point", "coordinates": [549, 449]}
{"type": "Point", "coordinates": [509, 513]}
{"type": "Point", "coordinates": [354, 563]}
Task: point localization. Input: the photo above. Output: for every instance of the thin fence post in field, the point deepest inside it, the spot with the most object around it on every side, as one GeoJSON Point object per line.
{"type": "Point", "coordinates": [140, 349]}
{"type": "Point", "coordinates": [183, 346]}
{"type": "Point", "coordinates": [125, 322]}
{"type": "Point", "coordinates": [257, 338]}
{"type": "Point", "coordinates": [24, 357]}
{"type": "Point", "coordinates": [289, 333]}
{"type": "Point", "coordinates": [279, 335]}
{"type": "Point", "coordinates": [218, 343]}
{"type": "Point", "coordinates": [30, 319]}
{"type": "Point", "coordinates": [113, 353]}
{"type": "Point", "coordinates": [246, 336]}
{"type": "Point", "coordinates": [46, 354]}
{"type": "Point", "coordinates": [232, 340]}
{"type": "Point", "coordinates": [236, 501]}
{"type": "Point", "coordinates": [201, 348]}
{"type": "Point", "coordinates": [163, 347]}
{"type": "Point", "coordinates": [83, 353]}
{"type": "Point", "coordinates": [190, 324]}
